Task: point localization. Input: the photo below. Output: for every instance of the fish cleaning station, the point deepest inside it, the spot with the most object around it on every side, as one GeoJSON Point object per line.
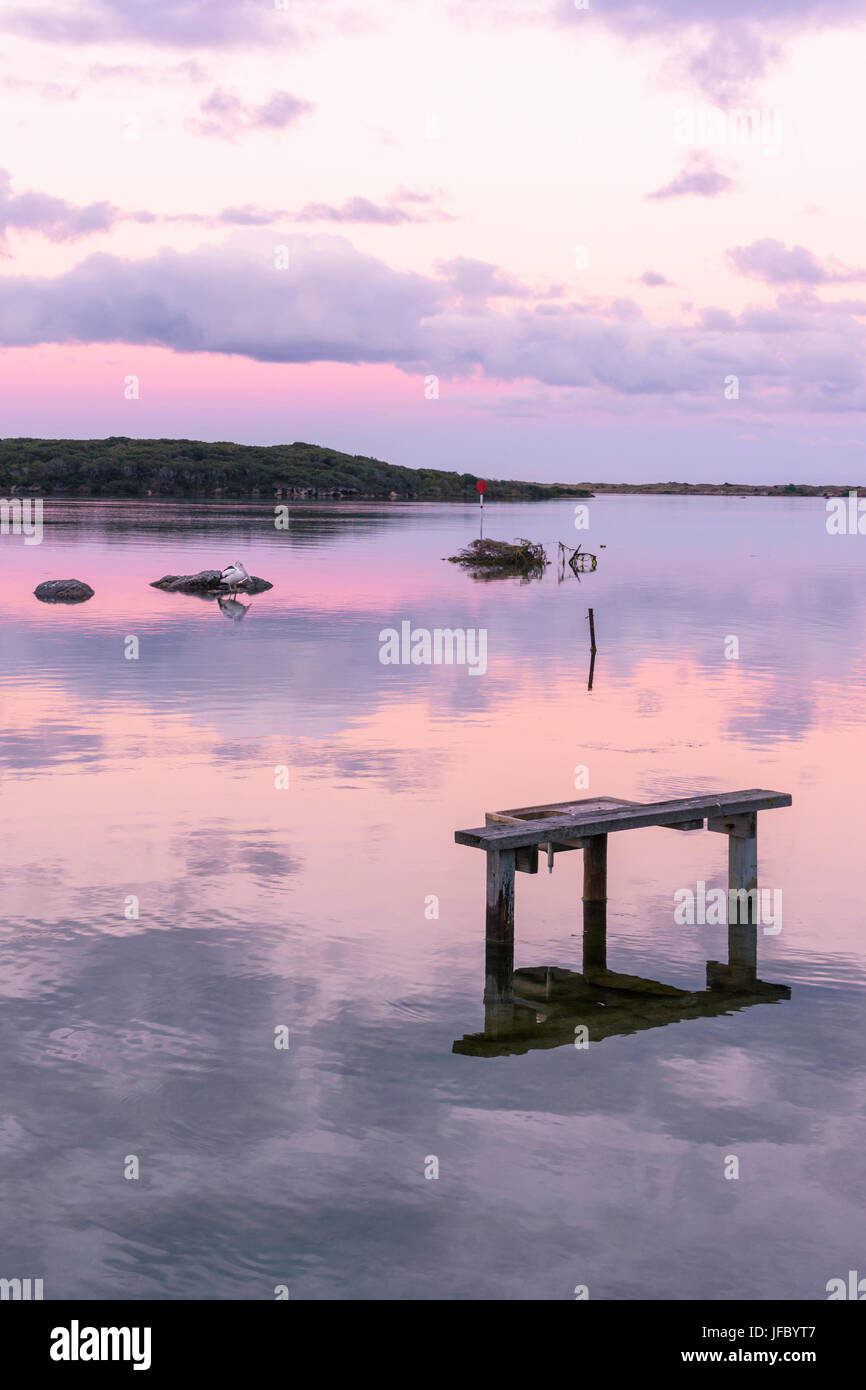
{"type": "Point", "coordinates": [544, 1006]}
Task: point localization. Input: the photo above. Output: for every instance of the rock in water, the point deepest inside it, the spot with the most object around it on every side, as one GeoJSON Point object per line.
{"type": "Point", "coordinates": [207, 581]}
{"type": "Point", "coordinates": [63, 591]}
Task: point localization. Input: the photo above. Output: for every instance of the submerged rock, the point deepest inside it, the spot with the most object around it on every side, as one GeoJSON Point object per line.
{"type": "Point", "coordinates": [63, 591]}
{"type": "Point", "coordinates": [208, 581]}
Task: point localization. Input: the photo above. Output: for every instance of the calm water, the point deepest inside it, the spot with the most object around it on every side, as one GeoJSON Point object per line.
{"type": "Point", "coordinates": [305, 908]}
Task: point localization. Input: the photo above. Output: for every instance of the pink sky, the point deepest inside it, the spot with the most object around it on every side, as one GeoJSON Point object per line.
{"type": "Point", "coordinates": [470, 201]}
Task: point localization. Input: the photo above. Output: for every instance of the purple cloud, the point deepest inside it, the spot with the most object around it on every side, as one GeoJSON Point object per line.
{"type": "Point", "coordinates": [191, 23]}
{"type": "Point", "coordinates": [726, 44]}
{"type": "Point", "coordinates": [771, 261]}
{"type": "Point", "coordinates": [352, 210]}
{"type": "Point", "coordinates": [53, 217]}
{"type": "Point", "coordinates": [787, 316]}
{"type": "Point", "coordinates": [640, 15]}
{"type": "Point", "coordinates": [413, 195]}
{"type": "Point", "coordinates": [388, 214]}
{"type": "Point", "coordinates": [225, 116]}
{"type": "Point", "coordinates": [700, 176]}
{"type": "Point", "coordinates": [335, 304]}
{"type": "Point", "coordinates": [247, 216]}
{"type": "Point", "coordinates": [717, 320]}
{"type": "Point", "coordinates": [477, 281]}
{"type": "Point", "coordinates": [60, 220]}
{"type": "Point", "coordinates": [735, 57]}
{"type": "Point", "coordinates": [480, 280]}
{"type": "Point", "coordinates": [654, 278]}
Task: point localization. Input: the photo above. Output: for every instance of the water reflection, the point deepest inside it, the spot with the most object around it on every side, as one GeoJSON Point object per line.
{"type": "Point", "coordinates": [245, 521]}
{"type": "Point", "coordinates": [306, 907]}
{"type": "Point", "coordinates": [232, 608]}
{"type": "Point", "coordinates": [546, 1006]}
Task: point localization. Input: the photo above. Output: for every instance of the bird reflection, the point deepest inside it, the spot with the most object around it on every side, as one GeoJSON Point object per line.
{"type": "Point", "coordinates": [547, 1006]}
{"type": "Point", "coordinates": [233, 608]}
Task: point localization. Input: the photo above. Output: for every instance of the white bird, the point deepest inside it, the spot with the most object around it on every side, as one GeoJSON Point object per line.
{"type": "Point", "coordinates": [233, 575]}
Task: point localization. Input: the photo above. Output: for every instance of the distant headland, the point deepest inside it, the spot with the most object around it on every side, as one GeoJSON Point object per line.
{"type": "Point", "coordinates": [120, 467]}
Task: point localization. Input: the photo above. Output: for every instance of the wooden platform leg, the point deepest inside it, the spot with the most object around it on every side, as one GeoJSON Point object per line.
{"type": "Point", "coordinates": [594, 905]}
{"type": "Point", "coordinates": [743, 871]}
{"type": "Point", "coordinates": [500, 895]}
{"type": "Point", "coordinates": [742, 924]}
{"type": "Point", "coordinates": [499, 944]}
{"type": "Point", "coordinates": [594, 939]}
{"type": "Point", "coordinates": [741, 971]}
{"type": "Point", "coordinates": [498, 989]}
{"type": "Point", "coordinates": [742, 887]}
{"type": "Point", "coordinates": [595, 869]}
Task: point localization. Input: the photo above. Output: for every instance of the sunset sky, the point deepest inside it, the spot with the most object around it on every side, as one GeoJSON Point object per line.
{"type": "Point", "coordinates": [286, 219]}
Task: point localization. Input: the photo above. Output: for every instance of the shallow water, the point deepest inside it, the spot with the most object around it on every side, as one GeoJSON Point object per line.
{"type": "Point", "coordinates": [306, 908]}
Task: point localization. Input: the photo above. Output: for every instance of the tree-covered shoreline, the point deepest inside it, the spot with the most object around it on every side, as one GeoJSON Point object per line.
{"type": "Point", "coordinates": [171, 468]}
{"type": "Point", "coordinates": [120, 467]}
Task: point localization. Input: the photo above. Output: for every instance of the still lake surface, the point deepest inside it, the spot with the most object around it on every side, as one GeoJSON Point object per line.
{"type": "Point", "coordinates": [305, 908]}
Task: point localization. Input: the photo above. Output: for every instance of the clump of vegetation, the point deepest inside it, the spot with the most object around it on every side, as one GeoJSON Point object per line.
{"type": "Point", "coordinates": [488, 559]}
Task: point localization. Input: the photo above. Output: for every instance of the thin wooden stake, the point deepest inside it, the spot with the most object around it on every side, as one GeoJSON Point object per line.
{"type": "Point", "coordinates": [592, 649]}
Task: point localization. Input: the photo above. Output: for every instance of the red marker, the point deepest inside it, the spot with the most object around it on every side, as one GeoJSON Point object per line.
{"type": "Point", "coordinates": [481, 487]}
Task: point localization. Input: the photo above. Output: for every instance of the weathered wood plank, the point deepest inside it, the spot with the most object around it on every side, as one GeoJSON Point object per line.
{"type": "Point", "coordinates": [525, 860]}
{"type": "Point", "coordinates": [524, 813]}
{"type": "Point", "coordinates": [566, 807]}
{"type": "Point", "coordinates": [588, 818]}
{"type": "Point", "coordinates": [742, 827]}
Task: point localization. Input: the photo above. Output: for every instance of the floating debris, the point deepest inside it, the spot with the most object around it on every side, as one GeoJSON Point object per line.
{"type": "Point", "coordinates": [579, 561]}
{"type": "Point", "coordinates": [490, 559]}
